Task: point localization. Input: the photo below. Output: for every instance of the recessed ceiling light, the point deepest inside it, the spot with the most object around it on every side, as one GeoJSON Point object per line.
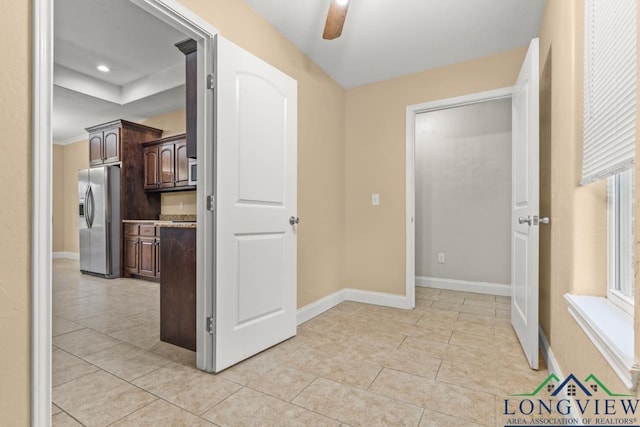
{"type": "Point", "coordinates": [342, 2]}
{"type": "Point", "coordinates": [103, 68]}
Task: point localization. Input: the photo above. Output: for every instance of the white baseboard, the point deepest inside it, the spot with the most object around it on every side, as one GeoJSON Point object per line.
{"type": "Point", "coordinates": [67, 255]}
{"type": "Point", "coordinates": [547, 354]}
{"type": "Point", "coordinates": [554, 368]}
{"type": "Point", "coordinates": [318, 307]}
{"type": "Point", "coordinates": [377, 298]}
{"type": "Point", "coordinates": [312, 310]}
{"type": "Point", "coordinates": [464, 285]}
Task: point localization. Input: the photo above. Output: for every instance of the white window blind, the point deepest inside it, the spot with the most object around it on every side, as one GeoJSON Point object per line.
{"type": "Point", "coordinates": [610, 80]}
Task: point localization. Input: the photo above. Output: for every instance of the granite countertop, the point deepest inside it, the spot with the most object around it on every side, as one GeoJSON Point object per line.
{"type": "Point", "coordinates": [176, 224]}
{"type": "Point", "coordinates": [172, 217]}
{"type": "Point", "coordinates": [163, 223]}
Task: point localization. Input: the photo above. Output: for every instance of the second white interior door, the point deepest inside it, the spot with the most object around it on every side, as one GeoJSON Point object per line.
{"type": "Point", "coordinates": [256, 163]}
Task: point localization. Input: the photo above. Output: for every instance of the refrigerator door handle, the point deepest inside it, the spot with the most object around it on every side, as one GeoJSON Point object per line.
{"type": "Point", "coordinates": [89, 202]}
{"type": "Point", "coordinates": [86, 206]}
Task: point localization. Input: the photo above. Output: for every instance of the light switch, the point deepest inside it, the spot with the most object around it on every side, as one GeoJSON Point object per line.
{"type": "Point", "coordinates": [375, 199]}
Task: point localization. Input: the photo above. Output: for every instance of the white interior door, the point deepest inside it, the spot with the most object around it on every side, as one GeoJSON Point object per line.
{"type": "Point", "coordinates": [525, 205]}
{"type": "Point", "coordinates": [255, 306]}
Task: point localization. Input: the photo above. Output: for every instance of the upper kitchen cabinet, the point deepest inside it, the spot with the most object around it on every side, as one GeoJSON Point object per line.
{"type": "Point", "coordinates": [181, 164]}
{"type": "Point", "coordinates": [104, 146]}
{"type": "Point", "coordinates": [190, 49]}
{"type": "Point", "coordinates": [166, 164]}
{"type": "Point", "coordinates": [118, 141]}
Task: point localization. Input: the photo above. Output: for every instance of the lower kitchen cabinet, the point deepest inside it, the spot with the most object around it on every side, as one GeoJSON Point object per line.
{"type": "Point", "coordinates": [178, 287]}
{"type": "Point", "coordinates": [141, 251]}
{"type": "Point", "coordinates": [131, 254]}
{"type": "Point", "coordinates": [148, 248]}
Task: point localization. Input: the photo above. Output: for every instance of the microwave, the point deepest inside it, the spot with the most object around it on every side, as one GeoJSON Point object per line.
{"type": "Point", "coordinates": [193, 171]}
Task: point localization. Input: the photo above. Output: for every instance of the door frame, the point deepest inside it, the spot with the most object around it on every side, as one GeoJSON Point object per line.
{"type": "Point", "coordinates": [183, 19]}
{"type": "Point", "coordinates": [412, 112]}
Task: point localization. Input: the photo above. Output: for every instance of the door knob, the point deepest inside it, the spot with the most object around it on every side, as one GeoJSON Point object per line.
{"type": "Point", "coordinates": [294, 220]}
{"type": "Point", "coordinates": [523, 220]}
{"type": "Point", "coordinates": [537, 220]}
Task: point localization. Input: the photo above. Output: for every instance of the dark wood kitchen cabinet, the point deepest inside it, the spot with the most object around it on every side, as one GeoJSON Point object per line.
{"type": "Point", "coordinates": [189, 48]}
{"type": "Point", "coordinates": [104, 145]}
{"type": "Point", "coordinates": [131, 254]}
{"type": "Point", "coordinates": [150, 163]}
{"type": "Point", "coordinates": [148, 256]}
{"type": "Point", "coordinates": [182, 165]}
{"type": "Point", "coordinates": [166, 165]}
{"type": "Point", "coordinates": [119, 143]}
{"type": "Point", "coordinates": [178, 286]}
{"type": "Point", "coordinates": [142, 250]}
{"type": "Point", "coordinates": [116, 141]}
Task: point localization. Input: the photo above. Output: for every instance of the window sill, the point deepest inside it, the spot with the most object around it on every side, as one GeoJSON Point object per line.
{"type": "Point", "coordinates": [611, 331]}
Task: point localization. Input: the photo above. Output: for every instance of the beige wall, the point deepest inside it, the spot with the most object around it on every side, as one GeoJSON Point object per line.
{"type": "Point", "coordinates": [76, 157]}
{"type": "Point", "coordinates": [375, 161]}
{"type": "Point", "coordinates": [15, 211]}
{"type": "Point", "coordinates": [573, 248]}
{"type": "Point", "coordinates": [172, 123]}
{"type": "Point", "coordinates": [57, 188]}
{"type": "Point", "coordinates": [180, 203]}
{"type": "Point", "coordinates": [321, 135]}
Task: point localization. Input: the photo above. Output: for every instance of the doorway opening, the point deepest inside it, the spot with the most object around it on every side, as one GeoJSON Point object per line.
{"type": "Point", "coordinates": [525, 216]}
{"type": "Point", "coordinates": [192, 27]}
{"type": "Point", "coordinates": [447, 131]}
{"type": "Point", "coordinates": [463, 197]}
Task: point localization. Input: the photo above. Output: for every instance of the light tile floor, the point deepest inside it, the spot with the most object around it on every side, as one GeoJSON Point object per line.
{"type": "Point", "coordinates": [449, 362]}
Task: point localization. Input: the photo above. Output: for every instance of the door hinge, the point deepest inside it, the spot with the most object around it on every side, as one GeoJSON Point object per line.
{"type": "Point", "coordinates": [211, 203]}
{"type": "Point", "coordinates": [210, 325]}
{"type": "Point", "coordinates": [211, 81]}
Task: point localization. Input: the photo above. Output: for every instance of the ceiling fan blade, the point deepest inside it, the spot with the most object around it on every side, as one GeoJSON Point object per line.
{"type": "Point", "coordinates": [335, 19]}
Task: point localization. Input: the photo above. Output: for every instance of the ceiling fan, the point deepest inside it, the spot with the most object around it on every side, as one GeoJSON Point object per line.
{"type": "Point", "coordinates": [335, 19]}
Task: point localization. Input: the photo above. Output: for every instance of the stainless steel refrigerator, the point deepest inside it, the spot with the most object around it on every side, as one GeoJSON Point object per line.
{"type": "Point", "coordinates": [99, 220]}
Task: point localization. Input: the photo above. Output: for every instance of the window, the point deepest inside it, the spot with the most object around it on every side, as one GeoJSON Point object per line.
{"type": "Point", "coordinates": [620, 240]}
{"type": "Point", "coordinates": [610, 116]}
{"type": "Point", "coordinates": [610, 86]}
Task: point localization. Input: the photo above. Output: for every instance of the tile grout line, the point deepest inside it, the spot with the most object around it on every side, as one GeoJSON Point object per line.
{"type": "Point", "coordinates": [375, 378]}
{"type": "Point", "coordinates": [421, 417]}
{"type": "Point", "coordinates": [70, 416]}
{"type": "Point", "coordinates": [131, 413]}
{"type": "Point", "coordinates": [398, 399]}
{"type": "Point", "coordinates": [215, 404]}
{"type": "Point", "coordinates": [311, 410]}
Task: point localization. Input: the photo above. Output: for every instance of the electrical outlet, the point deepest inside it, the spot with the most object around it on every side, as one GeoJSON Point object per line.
{"type": "Point", "coordinates": [440, 257]}
{"type": "Point", "coordinates": [181, 206]}
{"type": "Point", "coordinates": [375, 199]}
